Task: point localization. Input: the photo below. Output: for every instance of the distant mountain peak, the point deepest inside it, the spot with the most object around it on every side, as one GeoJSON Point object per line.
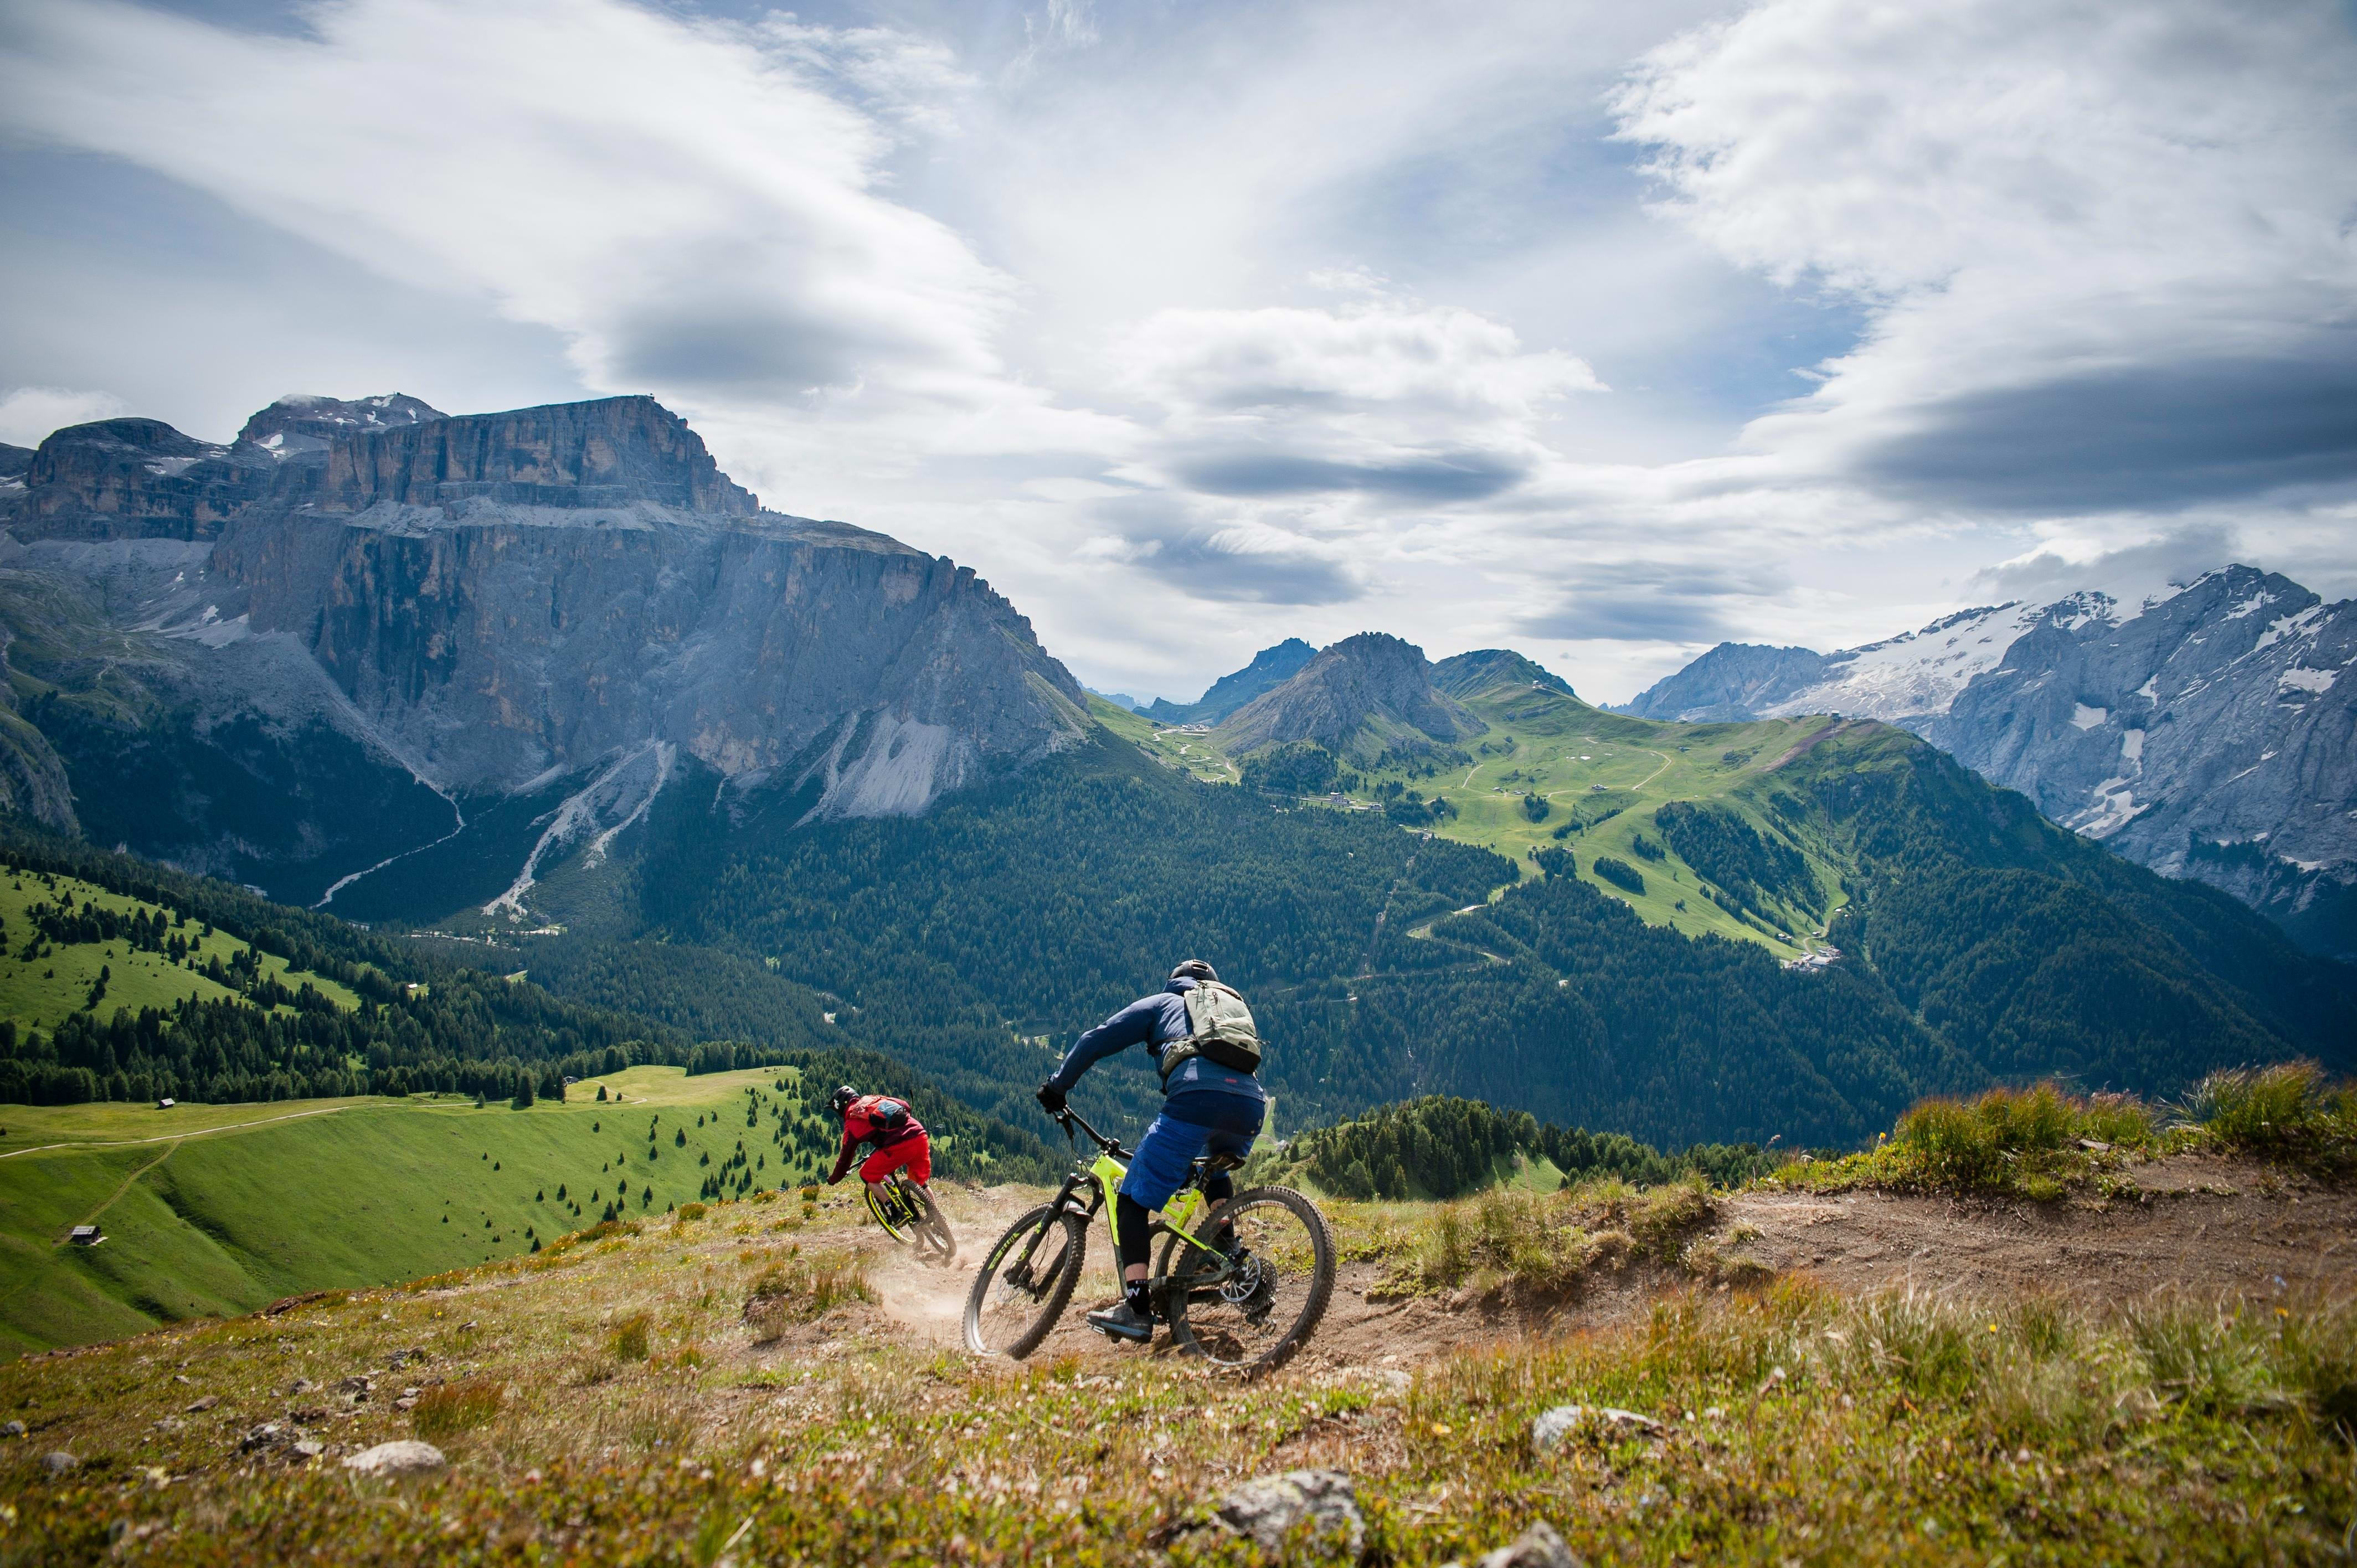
{"type": "Point", "coordinates": [302, 424]}
{"type": "Point", "coordinates": [1484, 669]}
{"type": "Point", "coordinates": [1357, 694]}
{"type": "Point", "coordinates": [1271, 667]}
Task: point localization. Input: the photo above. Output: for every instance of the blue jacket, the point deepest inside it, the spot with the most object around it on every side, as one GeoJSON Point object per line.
{"type": "Point", "coordinates": [1154, 1022]}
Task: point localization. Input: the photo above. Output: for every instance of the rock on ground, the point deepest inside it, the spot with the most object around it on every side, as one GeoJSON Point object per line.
{"type": "Point", "coordinates": [1553, 1426]}
{"type": "Point", "coordinates": [1268, 1508]}
{"type": "Point", "coordinates": [406, 1458]}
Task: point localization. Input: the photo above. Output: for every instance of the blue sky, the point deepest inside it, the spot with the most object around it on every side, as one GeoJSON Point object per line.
{"type": "Point", "coordinates": [1599, 330]}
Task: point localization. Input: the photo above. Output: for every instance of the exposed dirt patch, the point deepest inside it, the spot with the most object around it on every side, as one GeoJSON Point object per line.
{"type": "Point", "coordinates": [2196, 1225]}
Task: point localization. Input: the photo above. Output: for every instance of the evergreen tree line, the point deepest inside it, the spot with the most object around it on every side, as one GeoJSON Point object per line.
{"type": "Point", "coordinates": [1440, 1146]}
{"type": "Point", "coordinates": [1745, 865]}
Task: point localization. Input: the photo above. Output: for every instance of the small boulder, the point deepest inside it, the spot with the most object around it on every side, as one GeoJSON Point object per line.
{"type": "Point", "coordinates": [1268, 1508]}
{"type": "Point", "coordinates": [309, 1448]}
{"type": "Point", "coordinates": [14, 1429]}
{"type": "Point", "coordinates": [269, 1435]}
{"type": "Point", "coordinates": [405, 1457]}
{"type": "Point", "coordinates": [58, 1462]}
{"type": "Point", "coordinates": [1537, 1547]}
{"type": "Point", "coordinates": [300, 1386]}
{"type": "Point", "coordinates": [1553, 1426]}
{"type": "Point", "coordinates": [198, 1407]}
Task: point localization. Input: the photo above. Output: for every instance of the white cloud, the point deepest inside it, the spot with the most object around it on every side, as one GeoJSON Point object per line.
{"type": "Point", "coordinates": [2106, 248]}
{"type": "Point", "coordinates": [30, 413]}
{"type": "Point", "coordinates": [683, 200]}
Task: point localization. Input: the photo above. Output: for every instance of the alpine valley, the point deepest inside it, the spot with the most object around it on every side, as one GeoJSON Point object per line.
{"type": "Point", "coordinates": [544, 695]}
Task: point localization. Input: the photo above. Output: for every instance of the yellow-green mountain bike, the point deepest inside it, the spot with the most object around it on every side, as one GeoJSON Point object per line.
{"type": "Point", "coordinates": [910, 1217]}
{"type": "Point", "coordinates": [1242, 1283]}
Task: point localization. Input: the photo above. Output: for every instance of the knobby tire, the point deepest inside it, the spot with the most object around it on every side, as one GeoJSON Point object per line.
{"type": "Point", "coordinates": [1203, 1331]}
{"type": "Point", "coordinates": [1052, 1294]}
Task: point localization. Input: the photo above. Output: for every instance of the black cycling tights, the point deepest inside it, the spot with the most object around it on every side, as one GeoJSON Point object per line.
{"type": "Point", "coordinates": [1129, 1219]}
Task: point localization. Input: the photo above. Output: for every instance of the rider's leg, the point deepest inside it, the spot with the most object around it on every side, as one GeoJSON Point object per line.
{"type": "Point", "coordinates": [1164, 1157]}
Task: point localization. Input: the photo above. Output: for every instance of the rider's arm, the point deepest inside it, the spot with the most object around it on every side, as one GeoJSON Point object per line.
{"type": "Point", "coordinates": [1132, 1026]}
{"type": "Point", "coordinates": [842, 1160]}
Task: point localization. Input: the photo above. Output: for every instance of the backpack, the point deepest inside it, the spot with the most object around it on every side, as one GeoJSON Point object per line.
{"type": "Point", "coordinates": [1218, 1028]}
{"type": "Point", "coordinates": [888, 1117]}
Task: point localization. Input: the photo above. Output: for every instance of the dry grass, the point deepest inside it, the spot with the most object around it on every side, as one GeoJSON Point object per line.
{"type": "Point", "coordinates": [1511, 1239]}
{"type": "Point", "coordinates": [447, 1409]}
{"type": "Point", "coordinates": [1799, 1427]}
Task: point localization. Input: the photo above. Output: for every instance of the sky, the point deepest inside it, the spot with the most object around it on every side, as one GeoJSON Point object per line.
{"type": "Point", "coordinates": [1600, 331]}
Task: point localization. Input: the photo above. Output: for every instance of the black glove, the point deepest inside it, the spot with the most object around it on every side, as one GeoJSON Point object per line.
{"type": "Point", "coordinates": [1052, 1097]}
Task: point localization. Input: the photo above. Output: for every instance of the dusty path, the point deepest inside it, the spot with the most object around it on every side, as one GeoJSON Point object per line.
{"type": "Point", "coordinates": [2208, 1228]}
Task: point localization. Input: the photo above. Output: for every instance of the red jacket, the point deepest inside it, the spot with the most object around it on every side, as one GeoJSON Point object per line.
{"type": "Point", "coordinates": [875, 1119]}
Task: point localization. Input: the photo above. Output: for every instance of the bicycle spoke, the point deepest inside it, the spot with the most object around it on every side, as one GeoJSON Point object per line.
{"type": "Point", "coordinates": [1254, 1306]}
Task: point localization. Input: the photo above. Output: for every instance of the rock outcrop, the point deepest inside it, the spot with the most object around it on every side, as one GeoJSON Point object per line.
{"type": "Point", "coordinates": [1364, 696]}
{"type": "Point", "coordinates": [1734, 681]}
{"type": "Point", "coordinates": [131, 479]}
{"type": "Point", "coordinates": [301, 428]}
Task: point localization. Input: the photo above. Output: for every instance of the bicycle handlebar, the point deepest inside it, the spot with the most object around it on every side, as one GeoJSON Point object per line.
{"type": "Point", "coordinates": [1069, 1118]}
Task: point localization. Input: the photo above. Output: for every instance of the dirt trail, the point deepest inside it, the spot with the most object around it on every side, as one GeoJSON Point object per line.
{"type": "Point", "coordinates": [2204, 1228]}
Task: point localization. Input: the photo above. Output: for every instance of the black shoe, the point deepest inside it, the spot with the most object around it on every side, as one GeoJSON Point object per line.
{"type": "Point", "coordinates": [1123, 1322]}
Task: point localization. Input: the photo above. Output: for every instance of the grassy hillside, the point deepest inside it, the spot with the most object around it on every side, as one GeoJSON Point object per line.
{"type": "Point", "coordinates": [39, 992]}
{"type": "Point", "coordinates": [211, 1210]}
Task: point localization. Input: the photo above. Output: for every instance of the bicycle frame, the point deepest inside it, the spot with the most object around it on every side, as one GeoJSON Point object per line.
{"type": "Point", "coordinates": [1103, 1176]}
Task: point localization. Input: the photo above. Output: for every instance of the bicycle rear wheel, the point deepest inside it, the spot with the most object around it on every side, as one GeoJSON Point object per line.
{"type": "Point", "coordinates": [936, 1242]}
{"type": "Point", "coordinates": [1253, 1308]}
{"type": "Point", "coordinates": [1025, 1283]}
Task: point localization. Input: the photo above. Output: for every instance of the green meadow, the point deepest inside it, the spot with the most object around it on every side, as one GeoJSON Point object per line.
{"type": "Point", "coordinates": [1600, 776]}
{"type": "Point", "coordinates": [214, 1211]}
{"type": "Point", "coordinates": [39, 992]}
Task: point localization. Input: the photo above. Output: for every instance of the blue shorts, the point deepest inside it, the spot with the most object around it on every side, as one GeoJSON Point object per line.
{"type": "Point", "coordinates": [1190, 1124]}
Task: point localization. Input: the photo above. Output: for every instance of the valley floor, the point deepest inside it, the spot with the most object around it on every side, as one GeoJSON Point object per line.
{"type": "Point", "coordinates": [2167, 1374]}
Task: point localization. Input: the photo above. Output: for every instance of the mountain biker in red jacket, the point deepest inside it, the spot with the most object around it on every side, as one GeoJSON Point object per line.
{"type": "Point", "coordinates": [887, 1127]}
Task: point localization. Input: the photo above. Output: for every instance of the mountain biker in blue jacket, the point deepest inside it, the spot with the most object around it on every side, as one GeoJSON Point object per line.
{"type": "Point", "coordinates": [1206, 1106]}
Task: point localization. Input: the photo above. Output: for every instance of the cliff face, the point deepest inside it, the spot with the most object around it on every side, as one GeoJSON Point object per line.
{"type": "Point", "coordinates": [524, 624]}
{"type": "Point", "coordinates": [1360, 695]}
{"type": "Point", "coordinates": [610, 453]}
{"type": "Point", "coordinates": [131, 479]}
{"type": "Point", "coordinates": [2213, 737]}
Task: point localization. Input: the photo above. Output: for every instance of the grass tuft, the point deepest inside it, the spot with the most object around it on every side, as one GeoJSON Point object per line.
{"type": "Point", "coordinates": [447, 1409]}
{"type": "Point", "coordinates": [803, 1287]}
{"type": "Point", "coordinates": [2289, 1110]}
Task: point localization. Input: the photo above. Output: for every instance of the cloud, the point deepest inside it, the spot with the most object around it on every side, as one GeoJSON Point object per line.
{"type": "Point", "coordinates": [1655, 601]}
{"type": "Point", "coordinates": [2129, 572]}
{"type": "Point", "coordinates": [2106, 250]}
{"type": "Point", "coordinates": [684, 200]}
{"type": "Point", "coordinates": [1222, 561]}
{"type": "Point", "coordinates": [28, 414]}
{"type": "Point", "coordinates": [1433, 478]}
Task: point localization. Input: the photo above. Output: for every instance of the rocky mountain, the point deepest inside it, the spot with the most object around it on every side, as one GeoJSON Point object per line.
{"type": "Point", "coordinates": [2203, 732]}
{"type": "Point", "coordinates": [141, 479]}
{"type": "Point", "coordinates": [435, 653]}
{"type": "Point", "coordinates": [1360, 697]}
{"type": "Point", "coordinates": [1270, 668]}
{"type": "Point", "coordinates": [2209, 738]}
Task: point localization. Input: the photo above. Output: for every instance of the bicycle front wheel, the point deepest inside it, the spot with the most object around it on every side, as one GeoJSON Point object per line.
{"type": "Point", "coordinates": [1025, 1283]}
{"type": "Point", "coordinates": [1252, 1304]}
{"type": "Point", "coordinates": [886, 1208]}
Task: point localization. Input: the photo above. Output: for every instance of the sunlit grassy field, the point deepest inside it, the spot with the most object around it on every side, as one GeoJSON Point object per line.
{"type": "Point", "coordinates": [213, 1210]}
{"type": "Point", "coordinates": [39, 992]}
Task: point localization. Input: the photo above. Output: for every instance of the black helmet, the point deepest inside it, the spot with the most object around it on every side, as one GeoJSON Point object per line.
{"type": "Point", "coordinates": [1194, 969]}
{"type": "Point", "coordinates": [842, 1098]}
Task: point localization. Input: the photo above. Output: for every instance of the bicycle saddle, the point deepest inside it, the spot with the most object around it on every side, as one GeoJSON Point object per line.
{"type": "Point", "coordinates": [1212, 1164]}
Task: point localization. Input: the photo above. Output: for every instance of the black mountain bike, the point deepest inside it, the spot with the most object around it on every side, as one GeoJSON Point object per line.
{"type": "Point", "coordinates": [1243, 1285]}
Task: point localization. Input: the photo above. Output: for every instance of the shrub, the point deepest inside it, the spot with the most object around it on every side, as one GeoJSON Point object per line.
{"type": "Point", "coordinates": [693, 1212]}
{"type": "Point", "coordinates": [628, 1341]}
{"type": "Point", "coordinates": [447, 1409]}
{"type": "Point", "coordinates": [2286, 1109]}
{"type": "Point", "coordinates": [802, 1288]}
{"type": "Point", "coordinates": [1537, 807]}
